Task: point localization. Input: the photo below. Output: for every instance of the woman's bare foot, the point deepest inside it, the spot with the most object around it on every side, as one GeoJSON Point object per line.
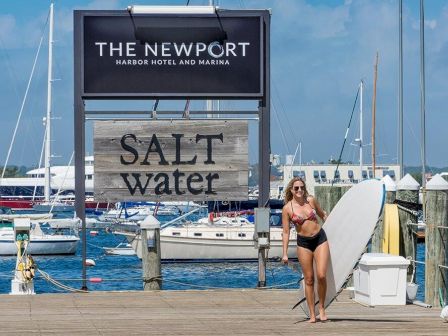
{"type": "Point", "coordinates": [312, 319]}
{"type": "Point", "coordinates": [322, 314]}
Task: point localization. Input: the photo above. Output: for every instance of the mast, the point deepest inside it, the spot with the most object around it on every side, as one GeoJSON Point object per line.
{"type": "Point", "coordinates": [422, 103]}
{"type": "Point", "coordinates": [374, 116]}
{"type": "Point", "coordinates": [400, 90]}
{"type": "Point", "coordinates": [47, 188]}
{"type": "Point", "coordinates": [361, 86]}
{"type": "Point", "coordinates": [209, 103]}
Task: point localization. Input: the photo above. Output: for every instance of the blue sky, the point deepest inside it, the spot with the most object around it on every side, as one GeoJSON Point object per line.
{"type": "Point", "coordinates": [320, 51]}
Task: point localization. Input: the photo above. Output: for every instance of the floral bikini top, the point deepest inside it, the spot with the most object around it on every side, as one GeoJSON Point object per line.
{"type": "Point", "coordinates": [299, 220]}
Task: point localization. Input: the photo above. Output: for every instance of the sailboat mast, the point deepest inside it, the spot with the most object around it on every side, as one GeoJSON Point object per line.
{"type": "Point", "coordinates": [422, 92]}
{"type": "Point", "coordinates": [400, 90]}
{"type": "Point", "coordinates": [374, 117]}
{"type": "Point", "coordinates": [209, 103]}
{"type": "Point", "coordinates": [47, 187]}
{"type": "Point", "coordinates": [361, 86]}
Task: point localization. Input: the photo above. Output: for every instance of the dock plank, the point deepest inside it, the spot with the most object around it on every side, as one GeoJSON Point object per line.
{"type": "Point", "coordinates": [211, 312]}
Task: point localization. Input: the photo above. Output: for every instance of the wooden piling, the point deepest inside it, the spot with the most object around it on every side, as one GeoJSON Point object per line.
{"type": "Point", "coordinates": [436, 277]}
{"type": "Point", "coordinates": [377, 238]}
{"type": "Point", "coordinates": [151, 253]}
{"type": "Point", "coordinates": [328, 196]}
{"type": "Point", "coordinates": [407, 191]}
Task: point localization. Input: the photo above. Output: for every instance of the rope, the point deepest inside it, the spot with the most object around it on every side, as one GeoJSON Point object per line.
{"type": "Point", "coordinates": [97, 246]}
{"type": "Point", "coordinates": [23, 104]}
{"type": "Point", "coordinates": [412, 212]}
{"type": "Point", "coordinates": [47, 277]}
{"type": "Point", "coordinates": [345, 137]}
{"type": "Point", "coordinates": [430, 226]}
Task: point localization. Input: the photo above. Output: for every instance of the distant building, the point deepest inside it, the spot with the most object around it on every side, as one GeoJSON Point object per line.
{"type": "Point", "coordinates": [326, 174]}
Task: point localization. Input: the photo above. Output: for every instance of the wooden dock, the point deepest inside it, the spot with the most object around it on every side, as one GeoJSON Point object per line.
{"type": "Point", "coordinates": [223, 312]}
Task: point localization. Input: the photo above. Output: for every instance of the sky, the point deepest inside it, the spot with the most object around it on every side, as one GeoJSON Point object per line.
{"type": "Point", "coordinates": [320, 51]}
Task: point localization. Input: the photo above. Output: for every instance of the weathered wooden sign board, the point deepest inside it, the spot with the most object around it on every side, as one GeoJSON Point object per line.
{"type": "Point", "coordinates": [162, 160]}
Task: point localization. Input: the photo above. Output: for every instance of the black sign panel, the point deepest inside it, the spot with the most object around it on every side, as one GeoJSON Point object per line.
{"type": "Point", "coordinates": [127, 55]}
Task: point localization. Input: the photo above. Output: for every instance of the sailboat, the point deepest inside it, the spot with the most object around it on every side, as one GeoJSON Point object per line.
{"type": "Point", "coordinates": [40, 242]}
{"type": "Point", "coordinates": [27, 192]}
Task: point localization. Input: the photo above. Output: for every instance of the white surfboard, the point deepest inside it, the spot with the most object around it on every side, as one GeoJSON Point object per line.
{"type": "Point", "coordinates": [349, 228]}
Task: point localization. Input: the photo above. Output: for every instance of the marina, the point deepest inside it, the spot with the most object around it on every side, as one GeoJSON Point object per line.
{"type": "Point", "coordinates": [183, 219]}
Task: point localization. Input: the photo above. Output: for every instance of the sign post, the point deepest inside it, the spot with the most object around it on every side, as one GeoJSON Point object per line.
{"type": "Point", "coordinates": [121, 55]}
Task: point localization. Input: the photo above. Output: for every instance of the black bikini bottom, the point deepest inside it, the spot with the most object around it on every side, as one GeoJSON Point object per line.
{"type": "Point", "coordinates": [311, 243]}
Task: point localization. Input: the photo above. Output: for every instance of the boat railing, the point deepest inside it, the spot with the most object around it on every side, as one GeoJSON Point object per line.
{"type": "Point", "coordinates": [177, 219]}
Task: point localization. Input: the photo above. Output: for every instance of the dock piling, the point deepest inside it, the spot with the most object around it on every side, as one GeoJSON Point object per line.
{"type": "Point", "coordinates": [407, 191]}
{"type": "Point", "coordinates": [436, 236]}
{"type": "Point", "coordinates": [151, 254]}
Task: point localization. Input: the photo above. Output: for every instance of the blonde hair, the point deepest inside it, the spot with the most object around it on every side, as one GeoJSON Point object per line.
{"type": "Point", "coordinates": [288, 192]}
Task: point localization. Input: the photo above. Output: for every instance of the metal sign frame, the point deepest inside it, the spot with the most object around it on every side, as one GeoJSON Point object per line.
{"type": "Point", "coordinates": [223, 14]}
{"type": "Point", "coordinates": [81, 115]}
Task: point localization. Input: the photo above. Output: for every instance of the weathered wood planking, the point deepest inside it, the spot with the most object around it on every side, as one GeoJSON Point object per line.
{"type": "Point", "coordinates": [171, 160]}
{"type": "Point", "coordinates": [408, 233]}
{"type": "Point", "coordinates": [436, 236]}
{"type": "Point", "coordinates": [204, 312]}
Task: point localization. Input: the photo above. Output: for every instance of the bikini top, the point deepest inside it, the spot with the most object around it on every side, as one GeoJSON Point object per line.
{"type": "Point", "coordinates": [299, 220]}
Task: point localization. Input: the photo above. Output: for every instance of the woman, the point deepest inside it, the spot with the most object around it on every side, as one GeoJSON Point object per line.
{"type": "Point", "coordinates": [302, 210]}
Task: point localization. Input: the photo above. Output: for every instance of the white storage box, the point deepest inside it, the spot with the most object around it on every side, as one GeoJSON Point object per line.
{"type": "Point", "coordinates": [380, 279]}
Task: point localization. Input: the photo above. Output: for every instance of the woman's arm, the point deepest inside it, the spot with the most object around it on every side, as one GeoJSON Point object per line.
{"type": "Point", "coordinates": [315, 204]}
{"type": "Point", "coordinates": [285, 234]}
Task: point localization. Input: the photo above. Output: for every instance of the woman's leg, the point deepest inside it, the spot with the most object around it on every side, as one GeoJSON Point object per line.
{"type": "Point", "coordinates": [306, 262]}
{"type": "Point", "coordinates": [322, 255]}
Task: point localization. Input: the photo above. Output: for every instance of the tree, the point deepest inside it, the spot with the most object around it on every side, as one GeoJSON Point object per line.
{"type": "Point", "coordinates": [14, 171]}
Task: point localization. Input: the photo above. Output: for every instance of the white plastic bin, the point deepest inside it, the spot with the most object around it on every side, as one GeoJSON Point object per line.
{"type": "Point", "coordinates": [380, 279]}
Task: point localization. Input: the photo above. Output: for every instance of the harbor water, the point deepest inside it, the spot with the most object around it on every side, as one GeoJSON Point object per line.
{"type": "Point", "coordinates": [120, 273]}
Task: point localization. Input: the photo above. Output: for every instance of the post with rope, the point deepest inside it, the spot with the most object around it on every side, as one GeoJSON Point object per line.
{"type": "Point", "coordinates": [22, 283]}
{"type": "Point", "coordinates": [407, 194]}
{"type": "Point", "coordinates": [151, 253]}
{"type": "Point", "coordinates": [436, 237]}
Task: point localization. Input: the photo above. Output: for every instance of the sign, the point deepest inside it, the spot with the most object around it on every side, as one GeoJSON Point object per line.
{"type": "Point", "coordinates": [163, 160]}
{"type": "Point", "coordinates": [202, 56]}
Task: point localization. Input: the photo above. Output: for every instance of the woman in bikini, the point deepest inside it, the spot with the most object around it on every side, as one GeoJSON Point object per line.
{"type": "Point", "coordinates": [302, 210]}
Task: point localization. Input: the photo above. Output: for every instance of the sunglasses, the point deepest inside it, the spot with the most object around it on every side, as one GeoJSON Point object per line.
{"type": "Point", "coordinates": [299, 188]}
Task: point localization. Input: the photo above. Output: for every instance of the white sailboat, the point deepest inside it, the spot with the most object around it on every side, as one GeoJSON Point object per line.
{"type": "Point", "coordinates": [223, 238]}
{"type": "Point", "coordinates": [41, 243]}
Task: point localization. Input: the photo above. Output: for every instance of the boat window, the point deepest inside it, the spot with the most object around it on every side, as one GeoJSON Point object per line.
{"type": "Point", "coordinates": [176, 233]}
{"type": "Point", "coordinates": [337, 174]}
{"type": "Point", "coordinates": [370, 174]}
{"type": "Point", "coordinates": [198, 234]}
{"type": "Point", "coordinates": [220, 235]}
{"type": "Point", "coordinates": [316, 174]}
{"type": "Point", "coordinates": [350, 174]}
{"type": "Point", "coordinates": [241, 234]}
{"type": "Point", "coordinates": [364, 174]}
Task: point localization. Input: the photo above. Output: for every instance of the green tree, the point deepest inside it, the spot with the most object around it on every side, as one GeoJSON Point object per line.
{"type": "Point", "coordinates": [417, 176]}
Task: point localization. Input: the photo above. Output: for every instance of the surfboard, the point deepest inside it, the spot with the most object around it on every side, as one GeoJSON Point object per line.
{"type": "Point", "coordinates": [349, 228]}
{"type": "Point", "coordinates": [391, 239]}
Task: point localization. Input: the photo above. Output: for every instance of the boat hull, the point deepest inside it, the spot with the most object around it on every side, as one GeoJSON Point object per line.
{"type": "Point", "coordinates": [174, 249]}
{"type": "Point", "coordinates": [205, 249]}
{"type": "Point", "coordinates": [41, 247]}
